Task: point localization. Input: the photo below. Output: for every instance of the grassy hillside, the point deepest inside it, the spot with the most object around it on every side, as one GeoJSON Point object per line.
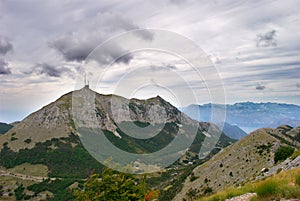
{"type": "Point", "coordinates": [239, 163]}
{"type": "Point", "coordinates": [282, 185]}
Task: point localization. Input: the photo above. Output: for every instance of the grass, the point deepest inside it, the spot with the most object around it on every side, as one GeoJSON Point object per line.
{"type": "Point", "coordinates": [295, 154]}
{"type": "Point", "coordinates": [297, 180]}
{"type": "Point", "coordinates": [283, 185]}
{"type": "Point", "coordinates": [10, 184]}
{"type": "Point", "coordinates": [30, 169]}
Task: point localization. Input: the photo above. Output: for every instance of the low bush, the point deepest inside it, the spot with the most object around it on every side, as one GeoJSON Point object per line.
{"type": "Point", "coordinates": [297, 179]}
{"type": "Point", "coordinates": [283, 153]}
{"type": "Point", "coordinates": [267, 188]}
{"type": "Point", "coordinates": [295, 154]}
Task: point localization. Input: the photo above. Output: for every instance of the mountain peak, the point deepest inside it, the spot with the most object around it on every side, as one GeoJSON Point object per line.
{"type": "Point", "coordinates": [56, 119]}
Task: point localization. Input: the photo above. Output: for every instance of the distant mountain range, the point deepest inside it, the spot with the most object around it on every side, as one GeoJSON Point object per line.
{"type": "Point", "coordinates": [48, 139]}
{"type": "Point", "coordinates": [4, 127]}
{"type": "Point", "coordinates": [249, 116]}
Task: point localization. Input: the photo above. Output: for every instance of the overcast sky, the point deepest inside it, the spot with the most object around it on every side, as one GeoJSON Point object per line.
{"type": "Point", "coordinates": [253, 45]}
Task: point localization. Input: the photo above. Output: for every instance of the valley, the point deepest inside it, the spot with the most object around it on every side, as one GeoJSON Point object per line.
{"type": "Point", "coordinates": [43, 158]}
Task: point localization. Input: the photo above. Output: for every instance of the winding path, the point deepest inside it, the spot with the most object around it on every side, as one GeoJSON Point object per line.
{"type": "Point", "coordinates": [23, 176]}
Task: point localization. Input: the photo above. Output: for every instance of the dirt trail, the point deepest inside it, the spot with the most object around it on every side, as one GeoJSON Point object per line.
{"type": "Point", "coordinates": [22, 176]}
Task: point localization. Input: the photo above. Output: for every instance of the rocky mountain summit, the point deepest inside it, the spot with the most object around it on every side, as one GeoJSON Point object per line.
{"type": "Point", "coordinates": [112, 113]}
{"type": "Point", "coordinates": [51, 138]}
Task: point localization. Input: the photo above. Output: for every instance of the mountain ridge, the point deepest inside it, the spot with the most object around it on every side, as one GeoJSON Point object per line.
{"type": "Point", "coordinates": [240, 162]}
{"type": "Point", "coordinates": [56, 120]}
{"type": "Point", "coordinates": [49, 137]}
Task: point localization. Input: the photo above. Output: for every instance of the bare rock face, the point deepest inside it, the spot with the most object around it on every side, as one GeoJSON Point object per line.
{"type": "Point", "coordinates": [86, 108]}
{"type": "Point", "coordinates": [92, 110]}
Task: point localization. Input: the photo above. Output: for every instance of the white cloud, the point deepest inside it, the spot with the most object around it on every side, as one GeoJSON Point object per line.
{"type": "Point", "coordinates": [228, 31]}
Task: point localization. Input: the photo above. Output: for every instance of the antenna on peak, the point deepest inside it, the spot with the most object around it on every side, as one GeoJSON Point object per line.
{"type": "Point", "coordinates": [86, 82]}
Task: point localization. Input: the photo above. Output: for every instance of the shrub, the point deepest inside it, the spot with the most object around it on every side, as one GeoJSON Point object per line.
{"type": "Point", "coordinates": [19, 192]}
{"type": "Point", "coordinates": [297, 179]}
{"type": "Point", "coordinates": [208, 190]}
{"type": "Point", "coordinates": [295, 154]}
{"type": "Point", "coordinates": [113, 186]}
{"type": "Point", "coordinates": [267, 188]}
{"type": "Point", "coordinates": [283, 153]}
{"type": "Point", "coordinates": [278, 170]}
{"type": "Point", "coordinates": [28, 140]}
{"type": "Point", "coordinates": [192, 193]}
{"type": "Point", "coordinates": [193, 177]}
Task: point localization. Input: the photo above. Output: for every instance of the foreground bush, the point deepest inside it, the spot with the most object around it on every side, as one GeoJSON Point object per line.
{"type": "Point", "coordinates": [113, 186]}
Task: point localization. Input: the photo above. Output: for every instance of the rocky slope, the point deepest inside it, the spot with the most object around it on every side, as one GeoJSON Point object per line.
{"type": "Point", "coordinates": [48, 137]}
{"type": "Point", "coordinates": [241, 162]}
{"type": "Point", "coordinates": [107, 112]}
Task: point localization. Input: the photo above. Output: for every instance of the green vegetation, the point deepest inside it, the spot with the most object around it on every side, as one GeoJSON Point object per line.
{"type": "Point", "coordinates": [282, 153]}
{"type": "Point", "coordinates": [12, 138]}
{"type": "Point", "coordinates": [282, 185]}
{"type": "Point", "coordinates": [113, 186]}
{"type": "Point", "coordinates": [295, 154]}
{"type": "Point", "coordinates": [65, 161]}
{"type": "Point", "coordinates": [1, 190]}
{"type": "Point", "coordinates": [58, 187]}
{"type": "Point", "coordinates": [28, 140]}
{"type": "Point", "coordinates": [29, 169]}
{"type": "Point", "coordinates": [19, 192]}
{"type": "Point", "coordinates": [267, 188]}
{"type": "Point", "coordinates": [297, 179]}
{"type": "Point", "coordinates": [193, 177]}
{"type": "Point", "coordinates": [149, 145]}
{"type": "Point", "coordinates": [262, 148]}
{"type": "Point", "coordinates": [177, 184]}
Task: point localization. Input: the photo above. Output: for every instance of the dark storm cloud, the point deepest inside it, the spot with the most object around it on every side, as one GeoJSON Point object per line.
{"type": "Point", "coordinates": [163, 67]}
{"type": "Point", "coordinates": [4, 70]}
{"type": "Point", "coordinates": [260, 87]}
{"type": "Point", "coordinates": [267, 40]}
{"type": "Point", "coordinates": [71, 50]}
{"type": "Point", "coordinates": [178, 1]}
{"type": "Point", "coordinates": [77, 46]}
{"type": "Point", "coordinates": [5, 46]}
{"type": "Point", "coordinates": [145, 34]}
{"type": "Point", "coordinates": [124, 59]}
{"type": "Point", "coordinates": [49, 70]}
{"type": "Point", "coordinates": [111, 53]}
{"type": "Point", "coordinates": [172, 67]}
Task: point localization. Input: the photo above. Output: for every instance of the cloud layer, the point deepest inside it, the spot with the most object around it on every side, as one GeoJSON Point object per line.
{"type": "Point", "coordinates": [249, 42]}
{"type": "Point", "coordinates": [4, 70]}
{"type": "Point", "coordinates": [5, 46]}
